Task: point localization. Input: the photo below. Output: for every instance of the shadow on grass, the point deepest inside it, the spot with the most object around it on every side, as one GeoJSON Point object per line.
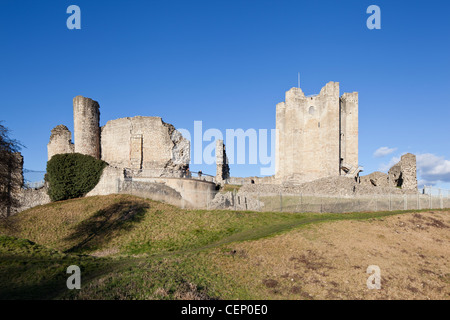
{"type": "Point", "coordinates": [8, 225]}
{"type": "Point", "coordinates": [99, 228]}
{"type": "Point", "coordinates": [26, 278]}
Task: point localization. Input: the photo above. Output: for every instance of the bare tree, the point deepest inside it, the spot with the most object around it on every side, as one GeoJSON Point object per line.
{"type": "Point", "coordinates": [11, 176]}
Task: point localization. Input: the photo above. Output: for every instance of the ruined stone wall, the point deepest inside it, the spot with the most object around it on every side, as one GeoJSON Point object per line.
{"type": "Point", "coordinates": [236, 201]}
{"type": "Point", "coordinates": [252, 180]}
{"type": "Point", "coordinates": [109, 182]}
{"type": "Point", "coordinates": [14, 187]}
{"type": "Point", "coordinates": [308, 135]}
{"type": "Point", "coordinates": [30, 198]}
{"type": "Point", "coordinates": [60, 141]}
{"type": "Point", "coordinates": [17, 174]}
{"type": "Point", "coordinates": [86, 117]}
{"type": "Point", "coordinates": [22, 198]}
{"type": "Point", "coordinates": [194, 193]}
{"type": "Point", "coordinates": [330, 186]}
{"type": "Point", "coordinates": [147, 145]}
{"type": "Point", "coordinates": [222, 167]}
{"type": "Point", "coordinates": [404, 173]}
{"type": "Point", "coordinates": [186, 193]}
{"type": "Point", "coordinates": [349, 130]}
{"type": "Point", "coordinates": [376, 179]}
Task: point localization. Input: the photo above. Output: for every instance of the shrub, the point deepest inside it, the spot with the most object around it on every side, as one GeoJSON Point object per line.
{"type": "Point", "coordinates": [72, 175]}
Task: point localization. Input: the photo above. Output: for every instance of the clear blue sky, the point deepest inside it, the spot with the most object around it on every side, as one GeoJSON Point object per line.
{"type": "Point", "coordinates": [228, 63]}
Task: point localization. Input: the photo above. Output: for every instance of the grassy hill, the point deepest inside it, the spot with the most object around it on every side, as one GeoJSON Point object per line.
{"type": "Point", "coordinates": [134, 248]}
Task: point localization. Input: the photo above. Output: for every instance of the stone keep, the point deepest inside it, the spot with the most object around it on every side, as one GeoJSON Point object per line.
{"type": "Point", "coordinates": [317, 136]}
{"type": "Point", "coordinates": [86, 118]}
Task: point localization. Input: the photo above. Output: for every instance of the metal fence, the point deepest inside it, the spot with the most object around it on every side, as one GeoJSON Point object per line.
{"type": "Point", "coordinates": [430, 198]}
{"type": "Point", "coordinates": [34, 184]}
{"type": "Point", "coordinates": [334, 204]}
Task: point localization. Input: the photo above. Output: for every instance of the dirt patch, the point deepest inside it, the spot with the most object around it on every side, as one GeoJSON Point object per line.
{"type": "Point", "coordinates": [436, 223]}
{"type": "Point", "coordinates": [311, 260]}
{"type": "Point", "coordinates": [270, 283]}
{"type": "Point", "coordinates": [105, 253]}
{"type": "Point", "coordinates": [190, 291]}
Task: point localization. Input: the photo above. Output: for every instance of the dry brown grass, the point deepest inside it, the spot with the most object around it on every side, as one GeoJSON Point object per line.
{"type": "Point", "coordinates": [329, 260]}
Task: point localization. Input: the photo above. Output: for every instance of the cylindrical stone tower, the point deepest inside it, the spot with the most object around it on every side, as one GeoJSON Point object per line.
{"type": "Point", "coordinates": [86, 117]}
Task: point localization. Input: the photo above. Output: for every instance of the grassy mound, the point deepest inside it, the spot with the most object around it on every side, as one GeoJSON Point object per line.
{"type": "Point", "coordinates": [123, 224]}
{"type": "Point", "coordinates": [134, 248]}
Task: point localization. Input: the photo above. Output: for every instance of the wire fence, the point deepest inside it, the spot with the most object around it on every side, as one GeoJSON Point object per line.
{"type": "Point", "coordinates": [34, 184]}
{"type": "Point", "coordinates": [290, 202]}
{"type": "Point", "coordinates": [360, 203]}
{"type": "Point", "coordinates": [192, 196]}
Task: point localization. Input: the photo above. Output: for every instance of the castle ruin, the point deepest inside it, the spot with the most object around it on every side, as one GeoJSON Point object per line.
{"type": "Point", "coordinates": [317, 136]}
{"type": "Point", "coordinates": [316, 151]}
{"type": "Point", "coordinates": [145, 156]}
{"type": "Point", "coordinates": [146, 146]}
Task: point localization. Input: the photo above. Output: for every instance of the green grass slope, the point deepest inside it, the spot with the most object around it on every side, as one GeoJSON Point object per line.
{"type": "Point", "coordinates": [132, 248]}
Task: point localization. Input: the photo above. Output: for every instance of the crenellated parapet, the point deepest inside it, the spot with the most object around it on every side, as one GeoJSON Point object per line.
{"type": "Point", "coordinates": [316, 134]}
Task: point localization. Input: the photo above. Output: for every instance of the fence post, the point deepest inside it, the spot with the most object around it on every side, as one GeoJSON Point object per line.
{"type": "Point", "coordinates": [418, 201]}
{"type": "Point", "coordinates": [281, 202]}
{"type": "Point", "coordinates": [431, 203]}
{"type": "Point", "coordinates": [301, 202]}
{"type": "Point", "coordinates": [390, 201]}
{"type": "Point", "coordinates": [321, 204]}
{"type": "Point", "coordinates": [259, 203]}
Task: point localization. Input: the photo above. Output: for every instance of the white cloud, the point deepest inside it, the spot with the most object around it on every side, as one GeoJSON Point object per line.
{"type": "Point", "coordinates": [383, 151]}
{"type": "Point", "coordinates": [384, 167]}
{"type": "Point", "coordinates": [432, 169]}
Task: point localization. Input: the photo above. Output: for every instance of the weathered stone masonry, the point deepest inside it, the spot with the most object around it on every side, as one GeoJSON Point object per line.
{"type": "Point", "coordinates": [60, 141]}
{"type": "Point", "coordinates": [145, 146]}
{"type": "Point", "coordinates": [317, 136]}
{"type": "Point", "coordinates": [86, 117]}
{"type": "Point", "coordinates": [404, 173]}
{"type": "Point", "coordinates": [222, 168]}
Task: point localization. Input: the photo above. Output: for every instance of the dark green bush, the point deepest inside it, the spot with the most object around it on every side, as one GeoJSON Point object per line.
{"type": "Point", "coordinates": [72, 175]}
